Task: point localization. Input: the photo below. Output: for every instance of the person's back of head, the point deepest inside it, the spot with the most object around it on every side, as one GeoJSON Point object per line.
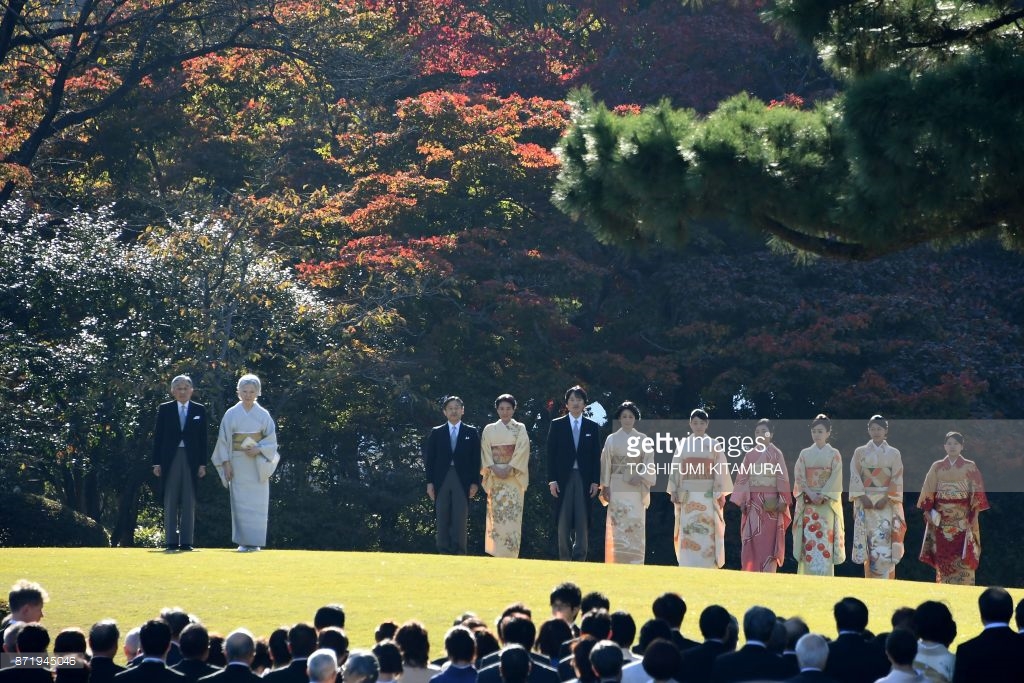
{"type": "Point", "coordinates": [596, 623]}
{"type": "Point", "coordinates": [103, 637]}
{"type": "Point", "coordinates": [385, 631]}
{"type": "Point", "coordinates": [519, 631]}
{"type": "Point", "coordinates": [334, 638]}
{"type": "Point", "coordinates": [361, 667]}
{"type": "Point", "coordinates": [552, 634]}
{"type": "Point", "coordinates": [133, 643]}
{"type": "Point", "coordinates": [514, 664]}
{"type": "Point", "coordinates": [758, 624]}
{"type": "Point", "coordinates": [671, 608]}
{"type": "Point", "coordinates": [216, 655]}
{"type": "Point", "coordinates": [850, 614]}
{"type": "Point", "coordinates": [796, 628]}
{"type": "Point", "coordinates": [177, 619]}
{"type": "Point", "coordinates": [516, 608]}
{"type": "Point", "coordinates": [901, 647]}
{"type": "Point", "coordinates": [194, 642]}
{"type": "Point", "coordinates": [581, 658]}
{"type": "Point", "coordinates": [329, 615]}
{"type": "Point", "coordinates": [389, 657]}
{"type": "Point", "coordinates": [261, 660]}
{"type": "Point", "coordinates": [903, 617]}
{"type": "Point", "coordinates": [933, 622]}
{"type": "Point", "coordinates": [995, 605]}
{"type": "Point", "coordinates": [11, 636]}
{"type": "Point", "coordinates": [714, 622]}
{"type": "Point", "coordinates": [155, 638]}
{"type": "Point", "coordinates": [777, 642]}
{"type": "Point", "coordinates": [486, 643]}
{"type": "Point", "coordinates": [606, 659]}
{"type": "Point", "coordinates": [651, 631]}
{"type": "Point", "coordinates": [322, 666]}
{"type": "Point", "coordinates": [460, 645]}
{"type": "Point", "coordinates": [662, 660]}
{"type": "Point", "coordinates": [595, 600]}
{"type": "Point", "coordinates": [69, 641]}
{"type": "Point", "coordinates": [1019, 615]}
{"type": "Point", "coordinates": [240, 646]}
{"type": "Point", "coordinates": [278, 644]}
{"type": "Point", "coordinates": [812, 651]}
{"type": "Point", "coordinates": [623, 628]}
{"type": "Point", "coordinates": [301, 640]}
{"type": "Point", "coordinates": [732, 635]}
{"type": "Point", "coordinates": [412, 639]}
{"type": "Point", "coordinates": [32, 638]}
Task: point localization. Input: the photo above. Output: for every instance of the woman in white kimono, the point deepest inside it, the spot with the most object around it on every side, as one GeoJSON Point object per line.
{"type": "Point", "coordinates": [627, 475]}
{"type": "Point", "coordinates": [876, 490]}
{"type": "Point", "coordinates": [505, 473]}
{"type": "Point", "coordinates": [245, 457]}
{"type": "Point", "coordinates": [698, 485]}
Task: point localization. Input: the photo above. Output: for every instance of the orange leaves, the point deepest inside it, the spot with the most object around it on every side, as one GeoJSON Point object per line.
{"type": "Point", "coordinates": [535, 156]}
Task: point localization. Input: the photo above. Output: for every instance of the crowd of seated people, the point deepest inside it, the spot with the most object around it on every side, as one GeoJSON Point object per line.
{"type": "Point", "coordinates": [605, 647]}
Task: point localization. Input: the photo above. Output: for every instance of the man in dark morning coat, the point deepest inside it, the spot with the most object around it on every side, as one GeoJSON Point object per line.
{"type": "Point", "coordinates": [194, 642]}
{"type": "Point", "coordinates": [301, 643]}
{"type": "Point", "coordinates": [997, 653]}
{"type": "Point", "coordinates": [851, 657]}
{"type": "Point", "coordinates": [103, 637]}
{"type": "Point", "coordinates": [715, 625]}
{"type": "Point", "coordinates": [452, 458]}
{"type": "Point", "coordinates": [812, 656]}
{"type": "Point", "coordinates": [239, 649]}
{"type": "Point", "coordinates": [179, 456]}
{"type": "Point", "coordinates": [574, 473]}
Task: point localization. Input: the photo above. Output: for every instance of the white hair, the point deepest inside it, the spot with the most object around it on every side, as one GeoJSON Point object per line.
{"type": "Point", "coordinates": [250, 379]}
{"type": "Point", "coordinates": [322, 665]}
{"type": "Point", "coordinates": [181, 379]}
{"type": "Point", "coordinates": [812, 651]}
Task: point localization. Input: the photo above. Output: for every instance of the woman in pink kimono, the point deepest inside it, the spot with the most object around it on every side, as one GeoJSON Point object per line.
{"type": "Point", "coordinates": [763, 494]}
{"type": "Point", "coordinates": [819, 541]}
{"type": "Point", "coordinates": [876, 491]}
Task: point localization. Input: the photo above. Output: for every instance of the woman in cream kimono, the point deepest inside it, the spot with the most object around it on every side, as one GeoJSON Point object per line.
{"type": "Point", "coordinates": [245, 457]}
{"type": "Point", "coordinates": [819, 541]}
{"type": "Point", "coordinates": [505, 465]}
{"type": "Point", "coordinates": [952, 497]}
{"type": "Point", "coordinates": [876, 490]}
{"type": "Point", "coordinates": [763, 493]}
{"type": "Point", "coordinates": [627, 475]}
{"type": "Point", "coordinates": [698, 484]}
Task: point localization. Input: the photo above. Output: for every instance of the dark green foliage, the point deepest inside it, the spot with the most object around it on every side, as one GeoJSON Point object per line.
{"type": "Point", "coordinates": [28, 521]}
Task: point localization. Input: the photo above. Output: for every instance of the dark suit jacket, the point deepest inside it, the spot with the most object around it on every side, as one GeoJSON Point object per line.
{"type": "Point", "coordinates": [562, 452]}
{"type": "Point", "coordinates": [167, 434]}
{"type": "Point", "coordinates": [295, 672]}
{"type": "Point", "coordinates": [698, 662]}
{"type": "Point", "coordinates": [539, 672]}
{"type": "Point", "coordinates": [23, 675]}
{"type": "Point", "coordinates": [749, 663]}
{"type": "Point", "coordinates": [235, 673]}
{"type": "Point", "coordinates": [494, 658]}
{"type": "Point", "coordinates": [193, 669]}
{"type": "Point", "coordinates": [853, 659]}
{"type": "Point", "coordinates": [996, 654]}
{"type": "Point", "coordinates": [149, 672]}
{"type": "Point", "coordinates": [682, 642]}
{"type": "Point", "coordinates": [811, 677]}
{"type": "Point", "coordinates": [103, 670]}
{"type": "Point", "coordinates": [454, 674]}
{"type": "Point", "coordinates": [437, 453]}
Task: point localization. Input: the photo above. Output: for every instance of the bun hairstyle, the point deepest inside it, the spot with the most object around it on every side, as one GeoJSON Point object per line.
{"type": "Point", "coordinates": [627, 405]}
{"type": "Point", "coordinates": [822, 419]}
{"type": "Point", "coordinates": [767, 423]}
{"type": "Point", "coordinates": [505, 398]}
{"type": "Point", "coordinates": [878, 420]}
{"type": "Point", "coordinates": [700, 413]}
{"type": "Point", "coordinates": [954, 435]}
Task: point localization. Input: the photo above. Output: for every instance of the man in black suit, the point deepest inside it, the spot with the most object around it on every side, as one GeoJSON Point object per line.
{"type": "Point", "coordinates": [239, 649]}
{"type": "Point", "coordinates": [519, 630]}
{"type": "Point", "coordinates": [103, 638]}
{"type": "Point", "coordinates": [31, 638]}
{"type": "Point", "coordinates": [851, 657]}
{"type": "Point", "coordinates": [301, 643]}
{"type": "Point", "coordinates": [179, 454]}
{"type": "Point", "coordinates": [155, 636]}
{"type": "Point", "coordinates": [753, 661]}
{"type": "Point", "coordinates": [194, 642]}
{"type": "Point", "coordinates": [715, 626]}
{"type": "Point", "coordinates": [452, 457]}
{"type": "Point", "coordinates": [812, 655]}
{"type": "Point", "coordinates": [671, 608]}
{"type": "Point", "coordinates": [997, 653]}
{"type": "Point", "coordinates": [574, 472]}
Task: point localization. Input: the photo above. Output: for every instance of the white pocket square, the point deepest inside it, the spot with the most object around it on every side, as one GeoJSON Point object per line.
{"type": "Point", "coordinates": [196, 417]}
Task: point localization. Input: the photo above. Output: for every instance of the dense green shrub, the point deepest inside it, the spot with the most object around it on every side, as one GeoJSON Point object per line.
{"type": "Point", "coordinates": [28, 520]}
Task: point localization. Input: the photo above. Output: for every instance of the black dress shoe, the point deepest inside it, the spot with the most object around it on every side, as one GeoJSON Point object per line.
{"type": "Point", "coordinates": [170, 548]}
{"type": "Point", "coordinates": [186, 548]}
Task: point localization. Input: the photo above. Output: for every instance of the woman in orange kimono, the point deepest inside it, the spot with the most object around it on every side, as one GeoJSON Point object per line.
{"type": "Point", "coordinates": [952, 496]}
{"type": "Point", "coordinates": [819, 541]}
{"type": "Point", "coordinates": [504, 475]}
{"type": "Point", "coordinates": [763, 494]}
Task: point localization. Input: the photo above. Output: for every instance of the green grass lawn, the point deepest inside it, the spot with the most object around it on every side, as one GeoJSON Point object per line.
{"type": "Point", "coordinates": [264, 590]}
